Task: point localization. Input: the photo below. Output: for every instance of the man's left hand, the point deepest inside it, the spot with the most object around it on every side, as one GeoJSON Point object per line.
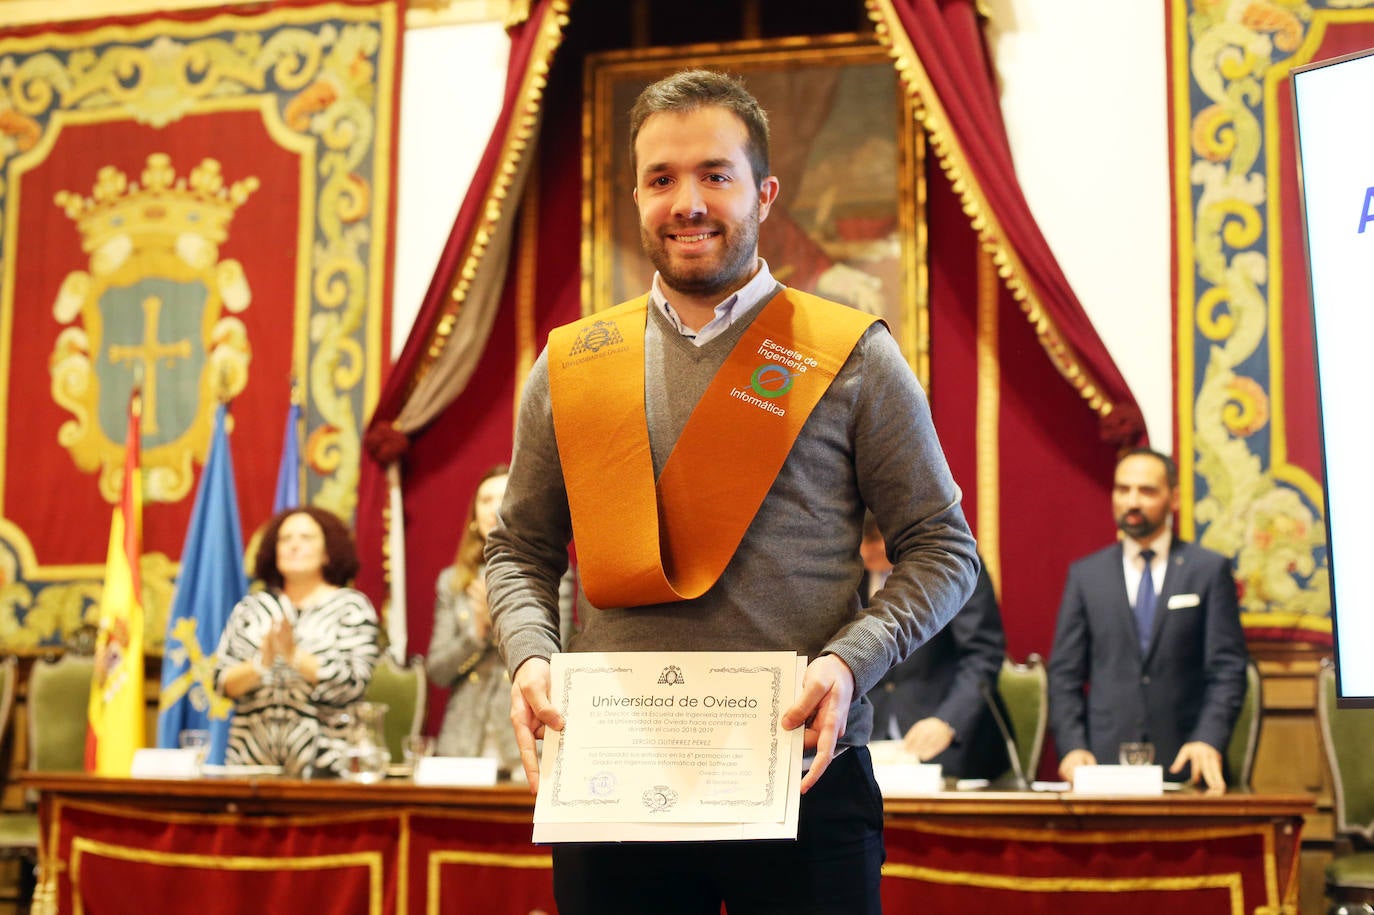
{"type": "Point", "coordinates": [827, 690]}
{"type": "Point", "coordinates": [1206, 763]}
{"type": "Point", "coordinates": [928, 738]}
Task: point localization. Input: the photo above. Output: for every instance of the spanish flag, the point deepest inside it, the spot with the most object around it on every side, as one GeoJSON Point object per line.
{"type": "Point", "coordinates": [116, 708]}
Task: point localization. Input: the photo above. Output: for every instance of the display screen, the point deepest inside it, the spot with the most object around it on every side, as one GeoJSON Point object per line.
{"type": "Point", "coordinates": [1335, 146]}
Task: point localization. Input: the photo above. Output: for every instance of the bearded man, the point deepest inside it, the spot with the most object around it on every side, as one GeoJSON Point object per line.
{"type": "Point", "coordinates": [1151, 627]}
{"type": "Point", "coordinates": [712, 446]}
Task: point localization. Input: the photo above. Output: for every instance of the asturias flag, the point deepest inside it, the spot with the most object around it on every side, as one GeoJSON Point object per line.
{"type": "Point", "coordinates": [210, 582]}
{"type": "Point", "coordinates": [115, 713]}
{"type": "Point", "coordinates": [289, 470]}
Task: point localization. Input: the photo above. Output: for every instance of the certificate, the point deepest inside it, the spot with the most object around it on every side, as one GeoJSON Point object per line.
{"type": "Point", "coordinates": [669, 746]}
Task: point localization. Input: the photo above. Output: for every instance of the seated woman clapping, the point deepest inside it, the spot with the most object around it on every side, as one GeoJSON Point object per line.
{"type": "Point", "coordinates": [296, 654]}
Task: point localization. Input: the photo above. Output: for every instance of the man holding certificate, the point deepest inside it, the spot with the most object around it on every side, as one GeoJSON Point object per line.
{"type": "Point", "coordinates": [711, 448]}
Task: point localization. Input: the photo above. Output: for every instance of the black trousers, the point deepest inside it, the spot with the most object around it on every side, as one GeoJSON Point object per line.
{"type": "Point", "coordinates": [834, 866]}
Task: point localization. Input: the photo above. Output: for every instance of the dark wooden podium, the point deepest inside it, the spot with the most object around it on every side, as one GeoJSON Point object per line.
{"type": "Point", "coordinates": [206, 846]}
{"type": "Point", "coordinates": [1060, 854]}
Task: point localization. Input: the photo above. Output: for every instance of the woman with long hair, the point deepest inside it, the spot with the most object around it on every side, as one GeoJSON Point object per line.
{"type": "Point", "coordinates": [462, 653]}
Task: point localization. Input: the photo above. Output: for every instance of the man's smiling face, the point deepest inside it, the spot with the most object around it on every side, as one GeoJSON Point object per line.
{"type": "Point", "coordinates": [700, 204]}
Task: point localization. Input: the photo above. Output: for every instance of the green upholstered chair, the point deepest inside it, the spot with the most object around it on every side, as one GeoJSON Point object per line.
{"type": "Point", "coordinates": [1348, 744]}
{"type": "Point", "coordinates": [405, 692]}
{"type": "Point", "coordinates": [59, 694]}
{"type": "Point", "coordinates": [1240, 751]}
{"type": "Point", "coordinates": [1025, 692]}
{"type": "Point", "coordinates": [18, 831]}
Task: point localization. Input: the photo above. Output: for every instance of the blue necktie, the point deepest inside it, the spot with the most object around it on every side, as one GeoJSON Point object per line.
{"type": "Point", "coordinates": [1145, 602]}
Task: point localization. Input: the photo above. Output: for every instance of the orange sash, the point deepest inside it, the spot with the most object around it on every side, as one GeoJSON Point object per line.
{"type": "Point", "coordinates": [639, 543]}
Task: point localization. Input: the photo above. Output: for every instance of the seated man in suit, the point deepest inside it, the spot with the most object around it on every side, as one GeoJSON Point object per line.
{"type": "Point", "coordinates": [932, 701]}
{"type": "Point", "coordinates": [1151, 626]}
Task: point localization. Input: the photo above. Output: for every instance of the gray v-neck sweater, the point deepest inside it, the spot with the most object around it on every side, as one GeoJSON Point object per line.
{"type": "Point", "coordinates": [792, 584]}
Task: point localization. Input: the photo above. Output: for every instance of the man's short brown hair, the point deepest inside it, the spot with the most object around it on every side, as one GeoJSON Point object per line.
{"type": "Point", "coordinates": [688, 90]}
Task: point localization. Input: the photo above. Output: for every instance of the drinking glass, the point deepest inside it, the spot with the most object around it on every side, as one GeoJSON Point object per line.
{"type": "Point", "coordinates": [414, 747]}
{"type": "Point", "coordinates": [366, 757]}
{"type": "Point", "coordinates": [365, 763]}
{"type": "Point", "coordinates": [1136, 753]}
{"type": "Point", "coordinates": [196, 739]}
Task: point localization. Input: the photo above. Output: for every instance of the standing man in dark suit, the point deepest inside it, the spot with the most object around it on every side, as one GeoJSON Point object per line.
{"type": "Point", "coordinates": [935, 701]}
{"type": "Point", "coordinates": [1151, 626]}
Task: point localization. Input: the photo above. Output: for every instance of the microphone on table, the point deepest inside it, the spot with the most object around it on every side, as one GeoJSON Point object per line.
{"type": "Point", "coordinates": [1016, 770]}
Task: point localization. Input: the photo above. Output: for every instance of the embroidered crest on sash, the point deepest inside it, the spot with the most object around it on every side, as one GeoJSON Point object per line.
{"type": "Point", "coordinates": [595, 336]}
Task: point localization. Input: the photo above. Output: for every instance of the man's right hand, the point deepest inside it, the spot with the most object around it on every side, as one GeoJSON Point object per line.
{"type": "Point", "coordinates": [531, 712]}
{"type": "Point", "coordinates": [1072, 760]}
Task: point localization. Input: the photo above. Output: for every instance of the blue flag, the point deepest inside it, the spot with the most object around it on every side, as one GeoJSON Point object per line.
{"type": "Point", "coordinates": [210, 583]}
{"type": "Point", "coordinates": [289, 470]}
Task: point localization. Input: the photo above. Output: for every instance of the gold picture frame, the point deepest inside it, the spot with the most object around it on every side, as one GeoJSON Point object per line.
{"type": "Point", "coordinates": [850, 220]}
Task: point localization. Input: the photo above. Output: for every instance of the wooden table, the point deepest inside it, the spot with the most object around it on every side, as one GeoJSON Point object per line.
{"type": "Point", "coordinates": [232, 845]}
{"type": "Point", "coordinates": [1061, 854]}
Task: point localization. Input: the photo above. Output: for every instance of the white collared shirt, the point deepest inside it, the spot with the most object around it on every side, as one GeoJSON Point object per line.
{"type": "Point", "coordinates": [740, 302]}
{"type": "Point", "coordinates": [1134, 567]}
{"type": "Point", "coordinates": [876, 581]}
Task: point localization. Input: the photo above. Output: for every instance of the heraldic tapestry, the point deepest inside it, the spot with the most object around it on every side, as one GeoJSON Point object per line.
{"type": "Point", "coordinates": [1249, 442]}
{"type": "Point", "coordinates": [201, 204]}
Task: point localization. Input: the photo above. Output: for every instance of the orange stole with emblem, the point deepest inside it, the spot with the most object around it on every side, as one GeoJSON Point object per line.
{"type": "Point", "coordinates": [641, 542]}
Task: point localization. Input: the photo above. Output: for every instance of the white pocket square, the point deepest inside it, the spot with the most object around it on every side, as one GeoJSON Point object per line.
{"type": "Point", "coordinates": [1182, 601]}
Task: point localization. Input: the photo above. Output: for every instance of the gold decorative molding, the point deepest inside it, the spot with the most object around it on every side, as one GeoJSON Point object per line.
{"type": "Point", "coordinates": [419, 13]}
{"type": "Point", "coordinates": [39, 12]}
{"type": "Point", "coordinates": [988, 410]}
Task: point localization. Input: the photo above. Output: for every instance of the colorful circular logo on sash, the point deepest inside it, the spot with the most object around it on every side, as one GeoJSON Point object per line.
{"type": "Point", "coordinates": [771, 380]}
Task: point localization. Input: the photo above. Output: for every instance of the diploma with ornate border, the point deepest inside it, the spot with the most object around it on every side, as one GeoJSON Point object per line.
{"type": "Point", "coordinates": [664, 746]}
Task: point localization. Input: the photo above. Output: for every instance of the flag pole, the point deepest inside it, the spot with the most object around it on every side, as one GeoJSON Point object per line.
{"type": "Point", "coordinates": [210, 582]}
{"type": "Point", "coordinates": [115, 710]}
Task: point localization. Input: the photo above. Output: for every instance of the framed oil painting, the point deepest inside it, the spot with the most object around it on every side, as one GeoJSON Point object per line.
{"type": "Point", "coordinates": [849, 223]}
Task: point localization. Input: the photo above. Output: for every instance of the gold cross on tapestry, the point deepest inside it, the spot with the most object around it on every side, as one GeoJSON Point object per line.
{"type": "Point", "coordinates": [199, 205]}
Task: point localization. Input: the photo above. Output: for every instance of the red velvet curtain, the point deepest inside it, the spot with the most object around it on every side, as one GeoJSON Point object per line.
{"type": "Point", "coordinates": [436, 303]}
{"type": "Point", "coordinates": [948, 42]}
{"type": "Point", "coordinates": [383, 443]}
